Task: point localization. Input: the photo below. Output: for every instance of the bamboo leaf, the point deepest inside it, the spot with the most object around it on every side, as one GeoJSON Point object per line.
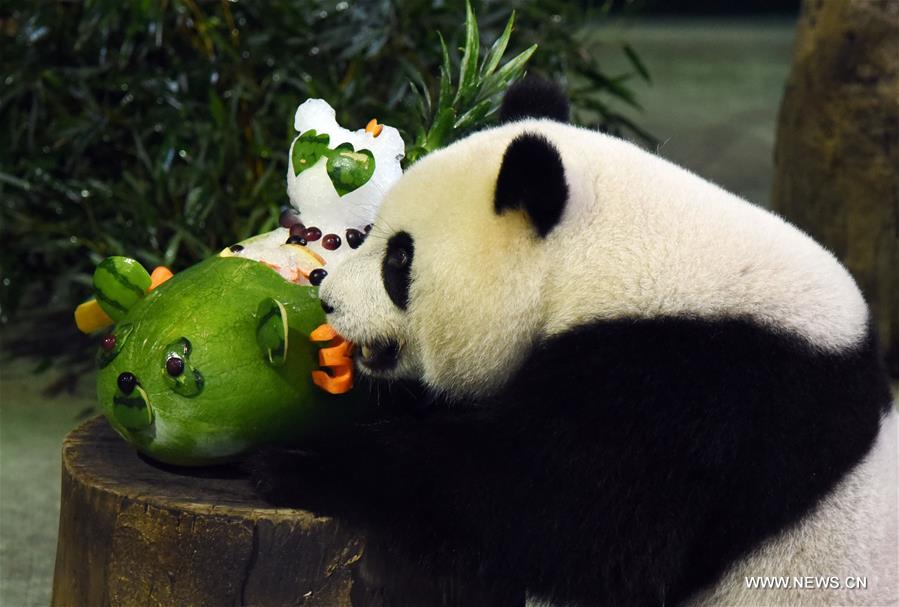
{"type": "Point", "coordinates": [14, 181]}
{"type": "Point", "coordinates": [171, 251]}
{"type": "Point", "coordinates": [444, 97]}
{"type": "Point", "coordinates": [613, 86]}
{"type": "Point", "coordinates": [217, 109]}
{"type": "Point", "coordinates": [474, 115]}
{"type": "Point", "coordinates": [508, 73]}
{"type": "Point", "coordinates": [468, 68]}
{"type": "Point", "coordinates": [424, 108]}
{"type": "Point", "coordinates": [636, 62]}
{"type": "Point", "coordinates": [493, 57]}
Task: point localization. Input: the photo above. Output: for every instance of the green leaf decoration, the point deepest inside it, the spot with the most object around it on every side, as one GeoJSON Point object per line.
{"type": "Point", "coordinates": [308, 148]}
{"type": "Point", "coordinates": [119, 283]}
{"type": "Point", "coordinates": [350, 169]}
{"type": "Point", "coordinates": [271, 331]}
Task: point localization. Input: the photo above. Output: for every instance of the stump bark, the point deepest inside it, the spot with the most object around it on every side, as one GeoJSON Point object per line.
{"type": "Point", "coordinates": [837, 151]}
{"type": "Point", "coordinates": [132, 532]}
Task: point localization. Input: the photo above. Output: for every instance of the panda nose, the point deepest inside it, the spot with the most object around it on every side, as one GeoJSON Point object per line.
{"type": "Point", "coordinates": [127, 382]}
{"type": "Point", "coordinates": [326, 307]}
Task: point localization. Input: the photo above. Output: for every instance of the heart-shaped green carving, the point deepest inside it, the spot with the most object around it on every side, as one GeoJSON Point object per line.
{"type": "Point", "coordinates": [308, 148]}
{"type": "Point", "coordinates": [350, 169]}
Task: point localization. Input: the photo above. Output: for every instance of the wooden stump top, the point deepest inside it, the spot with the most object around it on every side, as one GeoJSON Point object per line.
{"type": "Point", "coordinates": [98, 457]}
{"type": "Point", "coordinates": [133, 532]}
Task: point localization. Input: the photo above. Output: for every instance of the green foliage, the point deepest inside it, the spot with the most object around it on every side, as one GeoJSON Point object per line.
{"type": "Point", "coordinates": [478, 90]}
{"type": "Point", "coordinates": [159, 129]}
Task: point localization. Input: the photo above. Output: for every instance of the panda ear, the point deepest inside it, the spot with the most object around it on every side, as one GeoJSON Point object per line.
{"type": "Point", "coordinates": [532, 179]}
{"type": "Point", "coordinates": [534, 97]}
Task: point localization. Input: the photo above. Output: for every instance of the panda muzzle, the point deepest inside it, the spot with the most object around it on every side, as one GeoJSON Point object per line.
{"type": "Point", "coordinates": [381, 355]}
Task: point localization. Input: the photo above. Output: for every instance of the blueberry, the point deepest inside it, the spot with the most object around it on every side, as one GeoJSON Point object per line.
{"type": "Point", "coordinates": [289, 217]}
{"type": "Point", "coordinates": [331, 241]}
{"type": "Point", "coordinates": [354, 238]}
{"type": "Point", "coordinates": [108, 342]}
{"type": "Point", "coordinates": [174, 366]}
{"type": "Point", "coordinates": [127, 382]}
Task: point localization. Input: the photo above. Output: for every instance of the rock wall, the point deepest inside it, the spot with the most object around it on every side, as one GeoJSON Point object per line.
{"type": "Point", "coordinates": [837, 152]}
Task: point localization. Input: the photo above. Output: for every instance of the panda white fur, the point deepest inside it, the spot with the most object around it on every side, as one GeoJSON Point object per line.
{"type": "Point", "coordinates": [650, 389]}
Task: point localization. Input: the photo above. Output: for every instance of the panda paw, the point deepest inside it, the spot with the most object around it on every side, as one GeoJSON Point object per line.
{"type": "Point", "coordinates": [289, 478]}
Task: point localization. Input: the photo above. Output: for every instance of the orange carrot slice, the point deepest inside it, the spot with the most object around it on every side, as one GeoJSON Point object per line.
{"type": "Point", "coordinates": [159, 276]}
{"type": "Point", "coordinates": [373, 127]}
{"type": "Point", "coordinates": [335, 355]}
{"type": "Point", "coordinates": [334, 358]}
{"type": "Point", "coordinates": [339, 384]}
{"type": "Point", "coordinates": [323, 332]}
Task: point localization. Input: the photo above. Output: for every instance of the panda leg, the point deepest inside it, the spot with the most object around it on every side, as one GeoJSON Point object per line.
{"type": "Point", "coordinates": [419, 483]}
{"type": "Point", "coordinates": [380, 468]}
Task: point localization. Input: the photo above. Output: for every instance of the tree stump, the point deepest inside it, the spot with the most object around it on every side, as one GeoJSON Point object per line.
{"type": "Point", "coordinates": [837, 151]}
{"type": "Point", "coordinates": [132, 532]}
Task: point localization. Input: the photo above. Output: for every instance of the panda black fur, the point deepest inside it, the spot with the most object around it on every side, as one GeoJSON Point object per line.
{"type": "Point", "coordinates": [646, 388]}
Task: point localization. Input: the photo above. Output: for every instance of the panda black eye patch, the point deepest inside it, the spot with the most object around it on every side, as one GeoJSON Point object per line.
{"type": "Point", "coordinates": [396, 269]}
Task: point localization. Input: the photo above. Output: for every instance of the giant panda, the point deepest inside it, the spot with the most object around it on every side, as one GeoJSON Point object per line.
{"type": "Point", "coordinates": [642, 390]}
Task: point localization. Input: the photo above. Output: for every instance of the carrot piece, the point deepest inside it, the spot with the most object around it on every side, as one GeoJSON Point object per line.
{"type": "Point", "coordinates": [334, 355]}
{"type": "Point", "coordinates": [338, 365]}
{"type": "Point", "coordinates": [323, 332]}
{"type": "Point", "coordinates": [373, 127]}
{"type": "Point", "coordinates": [335, 359]}
{"type": "Point", "coordinates": [160, 275]}
{"type": "Point", "coordinates": [340, 369]}
{"type": "Point", "coordinates": [339, 384]}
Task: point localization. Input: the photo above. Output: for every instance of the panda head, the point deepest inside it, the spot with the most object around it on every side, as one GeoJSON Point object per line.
{"type": "Point", "coordinates": [447, 287]}
{"type": "Point", "coordinates": [526, 231]}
